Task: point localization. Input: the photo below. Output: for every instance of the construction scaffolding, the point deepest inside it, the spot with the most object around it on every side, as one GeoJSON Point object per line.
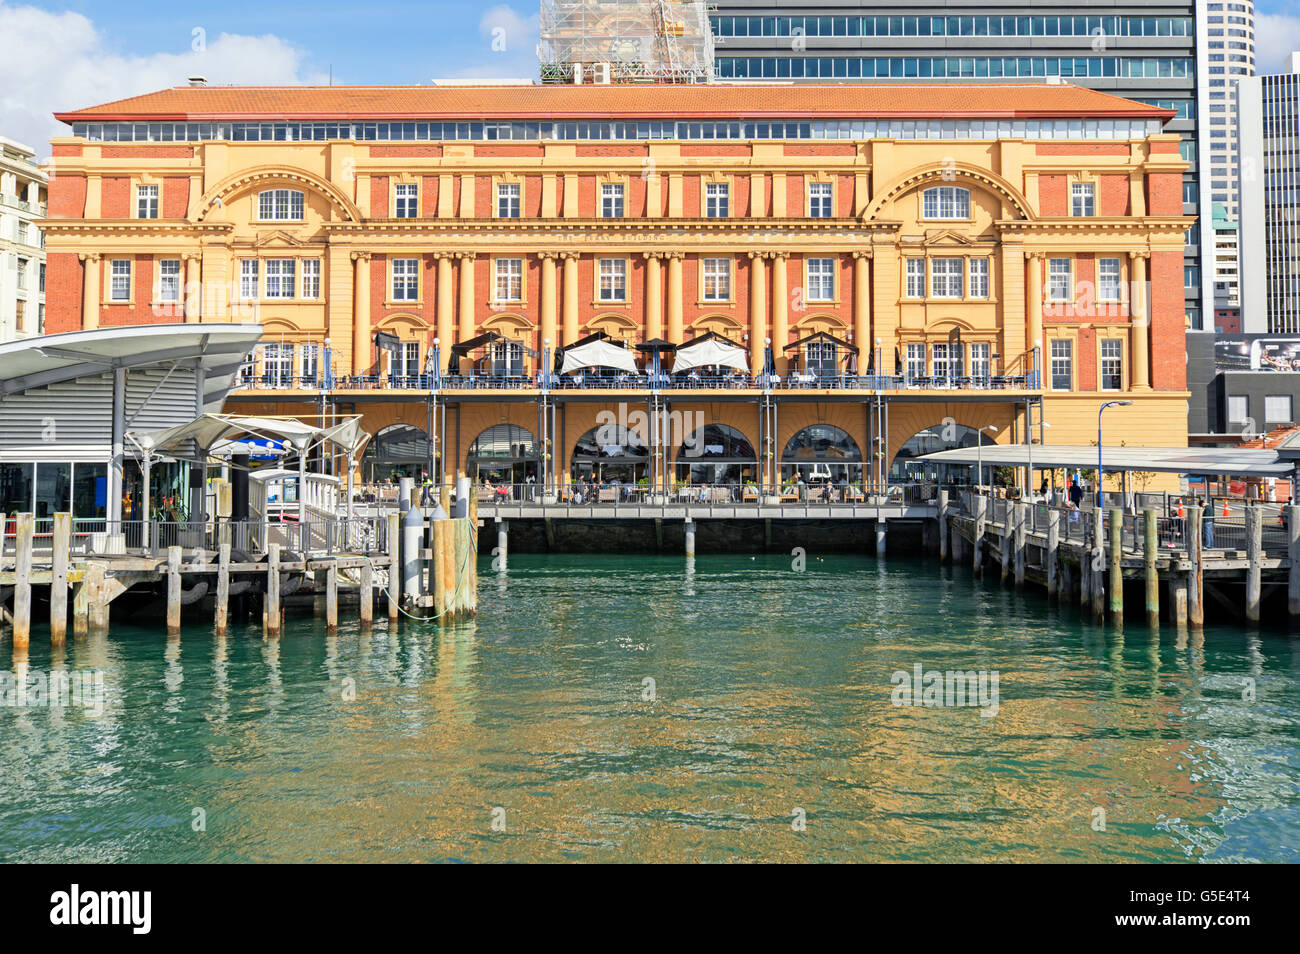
{"type": "Point", "coordinates": [625, 41]}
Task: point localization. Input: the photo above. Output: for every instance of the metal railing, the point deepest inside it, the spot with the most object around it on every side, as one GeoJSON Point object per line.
{"type": "Point", "coordinates": [613, 494]}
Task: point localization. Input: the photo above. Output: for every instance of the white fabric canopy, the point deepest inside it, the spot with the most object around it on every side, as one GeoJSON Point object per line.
{"type": "Point", "coordinates": [710, 352]}
{"type": "Point", "coordinates": [598, 354]}
{"type": "Point", "coordinates": [209, 429]}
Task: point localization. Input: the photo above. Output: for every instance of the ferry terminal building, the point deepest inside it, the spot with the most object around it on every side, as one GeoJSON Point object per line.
{"type": "Point", "coordinates": [875, 273]}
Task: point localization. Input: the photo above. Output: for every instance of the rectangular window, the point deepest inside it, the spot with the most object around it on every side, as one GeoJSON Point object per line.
{"type": "Point", "coordinates": [979, 360]}
{"type": "Point", "coordinates": [311, 278]}
{"type": "Point", "coordinates": [405, 201]}
{"type": "Point", "coordinates": [819, 200]}
{"type": "Point", "coordinates": [915, 361]}
{"type": "Point", "coordinates": [169, 279]}
{"type": "Point", "coordinates": [945, 202]}
{"type": "Point", "coordinates": [508, 206]}
{"type": "Point", "coordinates": [279, 277]}
{"type": "Point", "coordinates": [821, 358]}
{"type": "Point", "coordinates": [979, 278]}
{"type": "Point", "coordinates": [248, 279]}
{"type": "Point", "coordinates": [821, 279]}
{"type": "Point", "coordinates": [611, 201]}
{"type": "Point", "coordinates": [21, 277]}
{"type": "Point", "coordinates": [945, 277]}
{"type": "Point", "coordinates": [120, 280]}
{"type": "Point", "coordinates": [1058, 279]}
{"type": "Point", "coordinates": [1062, 351]}
{"type": "Point", "coordinates": [406, 279]}
{"type": "Point", "coordinates": [1112, 364]}
{"type": "Point", "coordinates": [1277, 409]}
{"type": "Point", "coordinates": [940, 362]}
{"type": "Point", "coordinates": [1082, 199]}
{"type": "Point", "coordinates": [278, 364]}
{"type": "Point", "coordinates": [717, 279]}
{"type": "Point", "coordinates": [280, 205]}
{"type": "Point", "coordinates": [146, 202]}
{"type": "Point", "coordinates": [1108, 279]}
{"type": "Point", "coordinates": [406, 362]}
{"type": "Point", "coordinates": [1237, 409]}
{"type": "Point", "coordinates": [613, 279]}
{"type": "Point", "coordinates": [509, 279]}
{"type": "Point", "coordinates": [717, 203]}
{"type": "Point", "coordinates": [916, 278]}
{"type": "Point", "coordinates": [309, 360]}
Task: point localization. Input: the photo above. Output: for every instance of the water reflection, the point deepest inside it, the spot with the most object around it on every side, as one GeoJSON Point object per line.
{"type": "Point", "coordinates": [771, 694]}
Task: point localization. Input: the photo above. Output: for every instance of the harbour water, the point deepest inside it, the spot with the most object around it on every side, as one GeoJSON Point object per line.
{"type": "Point", "coordinates": [635, 708]}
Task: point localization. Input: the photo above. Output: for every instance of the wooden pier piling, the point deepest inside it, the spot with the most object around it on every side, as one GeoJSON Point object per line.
{"type": "Point", "coordinates": [1020, 541]}
{"type": "Point", "coordinates": [221, 611]}
{"type": "Point", "coordinates": [60, 545]}
{"type": "Point", "coordinates": [943, 525]}
{"type": "Point", "coordinates": [1254, 554]}
{"type": "Point", "coordinates": [394, 566]}
{"type": "Point", "coordinates": [1195, 585]}
{"type": "Point", "coordinates": [332, 597]}
{"type": "Point", "coordinates": [23, 536]}
{"type": "Point", "coordinates": [1053, 553]}
{"type": "Point", "coordinates": [273, 590]}
{"type": "Point", "coordinates": [1151, 575]}
{"type": "Point", "coordinates": [173, 591]}
{"type": "Point", "coordinates": [367, 577]}
{"type": "Point", "coordinates": [1116, 564]}
{"type": "Point", "coordinates": [1095, 574]}
{"type": "Point", "coordinates": [977, 545]}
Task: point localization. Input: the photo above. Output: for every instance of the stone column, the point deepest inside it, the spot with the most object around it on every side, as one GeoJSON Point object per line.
{"type": "Point", "coordinates": [780, 308]}
{"type": "Point", "coordinates": [862, 307]}
{"type": "Point", "coordinates": [466, 316]}
{"type": "Point", "coordinates": [1034, 312]}
{"type": "Point", "coordinates": [547, 306]}
{"type": "Point", "coordinates": [90, 290]}
{"type": "Point", "coordinates": [570, 310]}
{"type": "Point", "coordinates": [674, 295]}
{"type": "Point", "coordinates": [192, 293]}
{"type": "Point", "coordinates": [360, 312]}
{"type": "Point", "coordinates": [446, 312]}
{"type": "Point", "coordinates": [757, 310]}
{"type": "Point", "coordinates": [654, 311]}
{"type": "Point", "coordinates": [1139, 349]}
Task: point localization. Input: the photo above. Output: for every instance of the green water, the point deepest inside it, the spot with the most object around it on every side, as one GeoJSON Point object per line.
{"type": "Point", "coordinates": [772, 693]}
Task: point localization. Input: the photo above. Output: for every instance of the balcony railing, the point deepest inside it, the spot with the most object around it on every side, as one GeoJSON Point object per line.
{"type": "Point", "coordinates": [532, 380]}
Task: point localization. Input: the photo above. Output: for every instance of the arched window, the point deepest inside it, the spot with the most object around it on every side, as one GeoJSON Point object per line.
{"type": "Point", "coordinates": [948, 435]}
{"type": "Point", "coordinates": [504, 442]}
{"type": "Point", "coordinates": [821, 442]}
{"type": "Point", "coordinates": [945, 202]}
{"type": "Point", "coordinates": [610, 452]}
{"type": "Point", "coordinates": [716, 454]}
{"type": "Point", "coordinates": [401, 450]}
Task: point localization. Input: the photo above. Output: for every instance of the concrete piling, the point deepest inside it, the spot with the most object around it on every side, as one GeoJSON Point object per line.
{"type": "Point", "coordinates": [23, 538]}
{"type": "Point", "coordinates": [332, 597]}
{"type": "Point", "coordinates": [60, 545]}
{"type": "Point", "coordinates": [1255, 556]}
{"type": "Point", "coordinates": [1116, 564]}
{"type": "Point", "coordinates": [1151, 575]}
{"type": "Point", "coordinates": [173, 591]}
{"type": "Point", "coordinates": [1053, 554]}
{"type": "Point", "coordinates": [690, 537]}
{"type": "Point", "coordinates": [221, 611]}
{"type": "Point", "coordinates": [273, 590]}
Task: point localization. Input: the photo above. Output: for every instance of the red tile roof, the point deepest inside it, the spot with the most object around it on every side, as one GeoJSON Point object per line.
{"type": "Point", "coordinates": [715, 101]}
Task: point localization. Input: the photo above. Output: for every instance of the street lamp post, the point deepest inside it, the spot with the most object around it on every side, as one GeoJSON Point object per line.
{"type": "Point", "coordinates": [1041, 423]}
{"type": "Point", "coordinates": [979, 451]}
{"type": "Point", "coordinates": [1099, 413]}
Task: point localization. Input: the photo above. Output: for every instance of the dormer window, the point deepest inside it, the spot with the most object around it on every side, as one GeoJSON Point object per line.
{"type": "Point", "coordinates": [945, 202]}
{"type": "Point", "coordinates": [280, 205]}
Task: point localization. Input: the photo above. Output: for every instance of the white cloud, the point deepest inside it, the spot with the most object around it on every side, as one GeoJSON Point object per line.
{"type": "Point", "coordinates": [1276, 35]}
{"type": "Point", "coordinates": [57, 62]}
{"type": "Point", "coordinates": [509, 45]}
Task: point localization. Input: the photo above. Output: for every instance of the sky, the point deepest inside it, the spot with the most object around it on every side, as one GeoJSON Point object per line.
{"type": "Point", "coordinates": [66, 54]}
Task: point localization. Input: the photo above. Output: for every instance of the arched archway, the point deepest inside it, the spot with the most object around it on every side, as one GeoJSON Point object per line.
{"type": "Point", "coordinates": [822, 455]}
{"type": "Point", "coordinates": [399, 450]}
{"type": "Point", "coordinates": [946, 435]}
{"type": "Point", "coordinates": [717, 454]}
{"type": "Point", "coordinates": [504, 454]}
{"type": "Point", "coordinates": [609, 453]}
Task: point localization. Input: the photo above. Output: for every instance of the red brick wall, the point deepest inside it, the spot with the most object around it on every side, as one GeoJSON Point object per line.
{"type": "Point", "coordinates": [844, 196]}
{"type": "Point", "coordinates": [1082, 149]}
{"type": "Point", "coordinates": [1113, 199]}
{"type": "Point", "coordinates": [140, 310]}
{"type": "Point", "coordinates": [1165, 195]}
{"type": "Point", "coordinates": [1168, 322]}
{"type": "Point", "coordinates": [175, 197]}
{"type": "Point", "coordinates": [67, 199]}
{"type": "Point", "coordinates": [692, 196]}
{"type": "Point", "coordinates": [115, 197]}
{"type": "Point", "coordinates": [429, 196]}
{"type": "Point", "coordinates": [396, 152]}
{"type": "Point", "coordinates": [146, 152]}
{"type": "Point", "coordinates": [379, 197]}
{"type": "Point", "coordinates": [1086, 370]}
{"type": "Point", "coordinates": [1053, 196]}
{"type": "Point", "coordinates": [63, 278]}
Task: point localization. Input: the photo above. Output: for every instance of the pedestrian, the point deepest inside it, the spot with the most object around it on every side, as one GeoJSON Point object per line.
{"type": "Point", "coordinates": [1207, 525]}
{"type": "Point", "coordinates": [531, 481]}
{"type": "Point", "coordinates": [1076, 493]}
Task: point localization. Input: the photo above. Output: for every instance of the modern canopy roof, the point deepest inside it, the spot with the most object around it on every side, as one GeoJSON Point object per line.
{"type": "Point", "coordinates": [219, 349]}
{"type": "Point", "coordinates": [670, 102]}
{"type": "Point", "coordinates": [1215, 461]}
{"type": "Point", "coordinates": [211, 429]}
{"type": "Point", "coordinates": [462, 348]}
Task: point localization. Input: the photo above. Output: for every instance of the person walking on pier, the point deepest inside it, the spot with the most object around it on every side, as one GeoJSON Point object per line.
{"type": "Point", "coordinates": [1076, 493]}
{"type": "Point", "coordinates": [1207, 525]}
